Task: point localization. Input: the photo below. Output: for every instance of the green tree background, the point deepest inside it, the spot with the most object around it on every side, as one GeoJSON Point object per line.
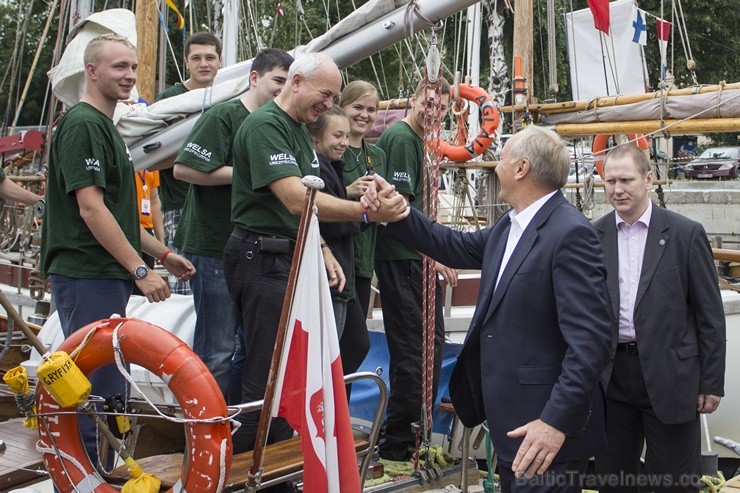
{"type": "Point", "coordinates": [711, 26]}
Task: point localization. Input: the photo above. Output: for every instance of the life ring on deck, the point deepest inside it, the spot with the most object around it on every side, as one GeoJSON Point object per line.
{"type": "Point", "coordinates": [601, 142]}
{"type": "Point", "coordinates": [489, 125]}
{"type": "Point", "coordinates": [207, 458]}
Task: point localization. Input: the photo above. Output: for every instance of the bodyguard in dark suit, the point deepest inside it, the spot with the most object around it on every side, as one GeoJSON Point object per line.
{"type": "Point", "coordinates": [670, 351]}
{"type": "Point", "coordinates": [540, 336]}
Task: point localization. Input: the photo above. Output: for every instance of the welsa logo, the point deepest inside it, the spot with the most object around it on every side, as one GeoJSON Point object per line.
{"type": "Point", "coordinates": [282, 158]}
{"type": "Point", "coordinates": [401, 176]}
{"type": "Point", "coordinates": [198, 150]}
{"type": "Point", "coordinates": [92, 164]}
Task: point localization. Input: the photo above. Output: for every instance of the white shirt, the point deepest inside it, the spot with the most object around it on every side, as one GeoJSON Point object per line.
{"type": "Point", "coordinates": [631, 242]}
{"type": "Point", "coordinates": [519, 223]}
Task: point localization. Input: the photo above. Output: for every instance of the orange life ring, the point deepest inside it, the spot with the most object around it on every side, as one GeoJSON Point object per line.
{"type": "Point", "coordinates": [207, 458]}
{"type": "Point", "coordinates": [489, 125]}
{"type": "Point", "coordinates": [601, 141]}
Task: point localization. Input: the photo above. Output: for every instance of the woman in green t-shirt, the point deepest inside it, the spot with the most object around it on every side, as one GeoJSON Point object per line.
{"type": "Point", "coordinates": [359, 100]}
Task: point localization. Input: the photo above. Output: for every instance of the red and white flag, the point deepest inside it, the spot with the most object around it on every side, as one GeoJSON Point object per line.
{"type": "Point", "coordinates": [279, 10]}
{"type": "Point", "coordinates": [663, 29]}
{"type": "Point", "coordinates": [310, 391]}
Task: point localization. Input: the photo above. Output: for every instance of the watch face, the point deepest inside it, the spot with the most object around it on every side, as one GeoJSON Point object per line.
{"type": "Point", "coordinates": [141, 272]}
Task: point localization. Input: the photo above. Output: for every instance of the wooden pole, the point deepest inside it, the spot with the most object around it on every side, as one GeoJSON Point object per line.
{"type": "Point", "coordinates": [570, 106]}
{"type": "Point", "coordinates": [147, 28]}
{"type": "Point", "coordinates": [726, 255]}
{"type": "Point", "coordinates": [254, 477]}
{"type": "Point", "coordinates": [673, 127]}
{"type": "Point", "coordinates": [523, 29]}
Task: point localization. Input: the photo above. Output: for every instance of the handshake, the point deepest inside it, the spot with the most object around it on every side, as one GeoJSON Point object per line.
{"type": "Point", "coordinates": [380, 200]}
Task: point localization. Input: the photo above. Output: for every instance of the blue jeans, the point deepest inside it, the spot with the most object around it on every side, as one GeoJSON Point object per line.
{"type": "Point", "coordinates": [217, 318]}
{"type": "Point", "coordinates": [80, 302]}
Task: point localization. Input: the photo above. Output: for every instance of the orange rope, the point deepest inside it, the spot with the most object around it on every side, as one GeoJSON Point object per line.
{"type": "Point", "coordinates": [432, 159]}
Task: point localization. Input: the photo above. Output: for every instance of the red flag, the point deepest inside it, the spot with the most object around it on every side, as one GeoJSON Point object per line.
{"type": "Point", "coordinates": [663, 28]}
{"type": "Point", "coordinates": [310, 391]}
{"type": "Point", "coordinates": [279, 10]}
{"type": "Point", "coordinates": [600, 11]}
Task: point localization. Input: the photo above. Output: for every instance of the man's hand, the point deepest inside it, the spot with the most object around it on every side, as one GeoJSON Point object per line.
{"type": "Point", "coordinates": [448, 274]}
{"type": "Point", "coordinates": [179, 266]}
{"type": "Point", "coordinates": [358, 187]}
{"type": "Point", "coordinates": [393, 207]}
{"type": "Point", "coordinates": [370, 199]}
{"type": "Point", "coordinates": [707, 403]}
{"type": "Point", "coordinates": [334, 271]}
{"type": "Point", "coordinates": [153, 287]}
{"type": "Point", "coordinates": [541, 443]}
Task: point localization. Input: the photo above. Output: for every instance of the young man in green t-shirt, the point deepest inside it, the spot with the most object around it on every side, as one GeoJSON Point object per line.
{"type": "Point", "coordinates": [91, 237]}
{"type": "Point", "coordinates": [202, 60]}
{"type": "Point", "coordinates": [272, 152]}
{"type": "Point", "coordinates": [205, 161]}
{"type": "Point", "coordinates": [400, 280]}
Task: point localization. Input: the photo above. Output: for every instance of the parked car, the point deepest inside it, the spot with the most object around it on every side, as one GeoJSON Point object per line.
{"type": "Point", "coordinates": [715, 162]}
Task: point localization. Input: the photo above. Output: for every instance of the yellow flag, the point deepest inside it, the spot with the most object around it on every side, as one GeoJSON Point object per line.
{"type": "Point", "coordinates": [180, 19]}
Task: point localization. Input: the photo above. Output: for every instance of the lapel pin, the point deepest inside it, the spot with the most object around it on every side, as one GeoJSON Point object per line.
{"type": "Point", "coordinates": [661, 242]}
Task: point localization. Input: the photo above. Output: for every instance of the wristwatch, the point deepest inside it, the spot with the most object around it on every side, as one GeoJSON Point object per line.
{"type": "Point", "coordinates": [39, 208]}
{"type": "Point", "coordinates": [140, 272]}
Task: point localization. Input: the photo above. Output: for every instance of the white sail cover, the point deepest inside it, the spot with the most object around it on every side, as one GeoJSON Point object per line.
{"type": "Point", "coordinates": [603, 65]}
{"type": "Point", "coordinates": [68, 77]}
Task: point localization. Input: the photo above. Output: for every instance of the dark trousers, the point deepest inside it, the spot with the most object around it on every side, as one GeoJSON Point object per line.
{"type": "Point", "coordinates": [80, 302]}
{"type": "Point", "coordinates": [401, 292]}
{"type": "Point", "coordinates": [561, 477]}
{"type": "Point", "coordinates": [257, 282]}
{"type": "Point", "coordinates": [355, 342]}
{"type": "Point", "coordinates": [672, 458]}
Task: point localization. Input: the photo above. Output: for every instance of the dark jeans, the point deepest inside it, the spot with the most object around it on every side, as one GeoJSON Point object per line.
{"type": "Point", "coordinates": [401, 292]}
{"type": "Point", "coordinates": [257, 282]}
{"type": "Point", "coordinates": [80, 302]}
{"type": "Point", "coordinates": [672, 458]}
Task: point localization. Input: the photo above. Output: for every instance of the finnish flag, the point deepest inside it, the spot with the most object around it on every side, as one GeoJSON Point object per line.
{"type": "Point", "coordinates": [640, 33]}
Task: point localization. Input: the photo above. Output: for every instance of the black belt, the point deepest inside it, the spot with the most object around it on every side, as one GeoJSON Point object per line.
{"type": "Point", "coordinates": [266, 243]}
{"type": "Point", "coordinates": [627, 347]}
{"type": "Point", "coordinates": [243, 234]}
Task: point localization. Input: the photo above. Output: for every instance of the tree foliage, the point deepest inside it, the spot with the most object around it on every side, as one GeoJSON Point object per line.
{"type": "Point", "coordinates": [396, 69]}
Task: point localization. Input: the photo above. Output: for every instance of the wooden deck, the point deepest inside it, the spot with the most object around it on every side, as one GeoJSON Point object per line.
{"type": "Point", "coordinates": [282, 460]}
{"type": "Point", "coordinates": [20, 460]}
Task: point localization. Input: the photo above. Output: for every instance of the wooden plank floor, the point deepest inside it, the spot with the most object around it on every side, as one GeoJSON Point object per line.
{"type": "Point", "coordinates": [280, 459]}
{"type": "Point", "coordinates": [19, 460]}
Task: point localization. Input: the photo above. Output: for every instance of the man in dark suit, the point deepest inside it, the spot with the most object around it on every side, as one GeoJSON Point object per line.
{"type": "Point", "coordinates": [670, 351]}
{"type": "Point", "coordinates": [540, 336]}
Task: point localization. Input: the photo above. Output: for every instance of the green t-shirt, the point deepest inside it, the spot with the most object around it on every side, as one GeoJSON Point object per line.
{"type": "Point", "coordinates": [205, 224]}
{"type": "Point", "coordinates": [404, 153]}
{"type": "Point", "coordinates": [175, 90]}
{"type": "Point", "coordinates": [172, 192]}
{"type": "Point", "coordinates": [268, 146]}
{"type": "Point", "coordinates": [355, 166]}
{"type": "Point", "coordinates": [87, 150]}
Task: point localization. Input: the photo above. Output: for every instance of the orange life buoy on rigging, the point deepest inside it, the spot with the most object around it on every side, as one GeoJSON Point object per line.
{"type": "Point", "coordinates": [601, 141]}
{"type": "Point", "coordinates": [489, 125]}
{"type": "Point", "coordinates": [207, 457]}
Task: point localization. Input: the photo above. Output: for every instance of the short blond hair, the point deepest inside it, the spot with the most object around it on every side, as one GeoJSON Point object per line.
{"type": "Point", "coordinates": [94, 50]}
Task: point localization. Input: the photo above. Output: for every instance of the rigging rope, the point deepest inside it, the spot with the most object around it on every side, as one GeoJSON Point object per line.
{"type": "Point", "coordinates": [432, 159]}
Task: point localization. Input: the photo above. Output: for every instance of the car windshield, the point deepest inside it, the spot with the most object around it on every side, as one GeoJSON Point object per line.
{"type": "Point", "coordinates": [721, 153]}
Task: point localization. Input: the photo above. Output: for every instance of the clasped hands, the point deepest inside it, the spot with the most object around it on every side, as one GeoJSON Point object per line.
{"type": "Point", "coordinates": [383, 202]}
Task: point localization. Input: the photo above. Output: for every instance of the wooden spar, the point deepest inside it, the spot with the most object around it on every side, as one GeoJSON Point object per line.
{"type": "Point", "coordinates": [673, 127]}
{"type": "Point", "coordinates": [523, 29]}
{"type": "Point", "coordinates": [260, 442]}
{"type": "Point", "coordinates": [147, 28]}
{"type": "Point", "coordinates": [726, 255]}
{"type": "Point", "coordinates": [571, 106]}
